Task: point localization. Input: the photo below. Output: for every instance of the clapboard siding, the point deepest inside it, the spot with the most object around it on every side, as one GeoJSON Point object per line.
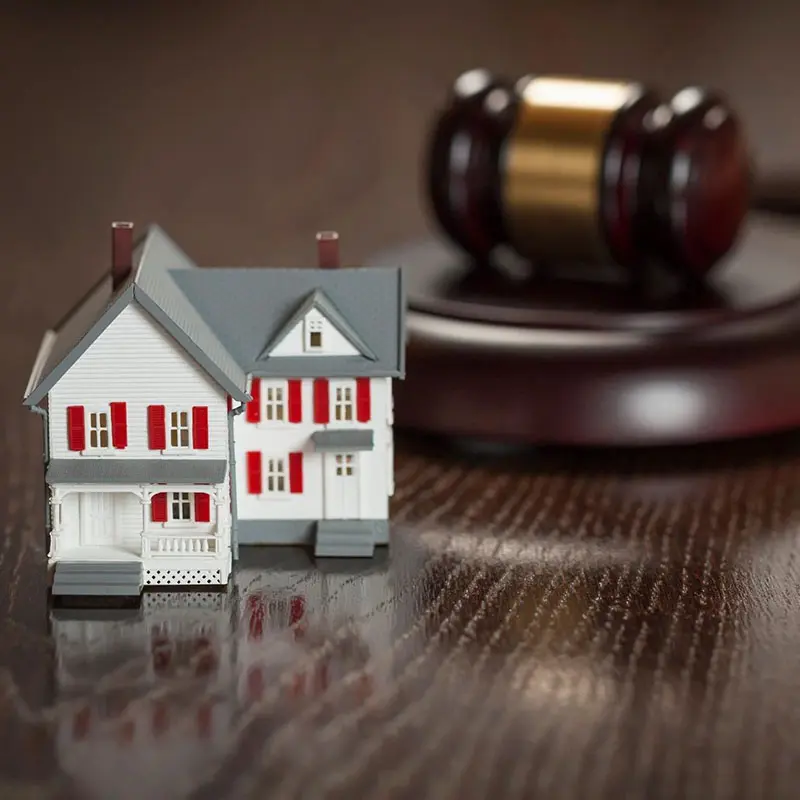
{"type": "Point", "coordinates": [279, 439]}
{"type": "Point", "coordinates": [135, 361]}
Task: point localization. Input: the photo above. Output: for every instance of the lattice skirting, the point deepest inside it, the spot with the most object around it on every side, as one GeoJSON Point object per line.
{"type": "Point", "coordinates": [163, 576]}
{"type": "Point", "coordinates": [155, 601]}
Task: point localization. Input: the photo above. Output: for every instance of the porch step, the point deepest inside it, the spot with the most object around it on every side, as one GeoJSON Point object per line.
{"type": "Point", "coordinates": [344, 538]}
{"type": "Point", "coordinates": [117, 578]}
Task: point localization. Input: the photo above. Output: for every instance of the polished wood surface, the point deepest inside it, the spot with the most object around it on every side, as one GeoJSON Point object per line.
{"type": "Point", "coordinates": [556, 624]}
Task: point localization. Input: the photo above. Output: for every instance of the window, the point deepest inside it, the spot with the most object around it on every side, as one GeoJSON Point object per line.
{"type": "Point", "coordinates": [343, 404]}
{"type": "Point", "coordinates": [179, 431]}
{"type": "Point", "coordinates": [275, 404]}
{"type": "Point", "coordinates": [314, 330]}
{"type": "Point", "coordinates": [99, 429]}
{"type": "Point", "coordinates": [345, 465]}
{"type": "Point", "coordinates": [180, 507]}
{"type": "Point", "coordinates": [275, 476]}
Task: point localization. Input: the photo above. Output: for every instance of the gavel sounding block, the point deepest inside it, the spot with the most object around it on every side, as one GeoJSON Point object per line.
{"type": "Point", "coordinates": [559, 359]}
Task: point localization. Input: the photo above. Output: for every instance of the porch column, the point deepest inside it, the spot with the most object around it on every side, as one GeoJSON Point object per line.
{"type": "Point", "coordinates": [145, 495]}
{"type": "Point", "coordinates": [56, 520]}
{"type": "Point", "coordinates": [222, 504]}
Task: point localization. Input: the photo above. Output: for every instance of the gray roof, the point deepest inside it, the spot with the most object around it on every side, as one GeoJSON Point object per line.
{"type": "Point", "coordinates": [130, 470]}
{"type": "Point", "coordinates": [228, 319]}
{"type": "Point", "coordinates": [157, 292]}
{"type": "Point", "coordinates": [318, 300]}
{"type": "Point", "coordinates": [332, 439]}
{"type": "Point", "coordinates": [248, 308]}
{"type": "Point", "coordinates": [151, 286]}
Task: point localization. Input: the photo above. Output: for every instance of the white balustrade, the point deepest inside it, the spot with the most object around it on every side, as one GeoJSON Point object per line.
{"type": "Point", "coordinates": [182, 544]}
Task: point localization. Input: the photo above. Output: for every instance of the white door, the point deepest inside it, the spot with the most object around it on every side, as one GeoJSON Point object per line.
{"type": "Point", "coordinates": [341, 486]}
{"type": "Point", "coordinates": [97, 519]}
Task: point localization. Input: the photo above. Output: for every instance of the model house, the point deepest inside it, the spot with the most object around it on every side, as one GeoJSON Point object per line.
{"type": "Point", "coordinates": [189, 410]}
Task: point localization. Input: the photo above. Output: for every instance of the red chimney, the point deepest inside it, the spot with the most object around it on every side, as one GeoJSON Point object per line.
{"type": "Point", "coordinates": [328, 250]}
{"type": "Point", "coordinates": [121, 252]}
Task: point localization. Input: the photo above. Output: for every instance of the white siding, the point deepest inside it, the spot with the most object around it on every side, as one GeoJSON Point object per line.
{"type": "Point", "coordinates": [375, 467]}
{"type": "Point", "coordinates": [333, 342]}
{"type": "Point", "coordinates": [135, 361]}
{"type": "Point", "coordinates": [69, 534]}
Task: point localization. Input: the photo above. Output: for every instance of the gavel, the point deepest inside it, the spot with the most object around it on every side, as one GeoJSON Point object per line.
{"type": "Point", "coordinates": [589, 171]}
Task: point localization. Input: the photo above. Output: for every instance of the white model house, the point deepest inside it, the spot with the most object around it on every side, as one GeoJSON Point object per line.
{"type": "Point", "coordinates": [189, 410]}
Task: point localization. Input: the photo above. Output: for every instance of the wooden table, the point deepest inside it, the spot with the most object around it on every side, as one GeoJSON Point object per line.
{"type": "Point", "coordinates": [555, 624]}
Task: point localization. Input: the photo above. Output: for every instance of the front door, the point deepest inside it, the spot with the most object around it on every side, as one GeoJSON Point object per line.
{"type": "Point", "coordinates": [341, 486]}
{"type": "Point", "coordinates": [97, 519]}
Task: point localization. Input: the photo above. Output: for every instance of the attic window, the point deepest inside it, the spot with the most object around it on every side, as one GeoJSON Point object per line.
{"type": "Point", "coordinates": [314, 334]}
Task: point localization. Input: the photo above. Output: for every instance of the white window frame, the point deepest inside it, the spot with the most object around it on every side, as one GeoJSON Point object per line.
{"type": "Point", "coordinates": [170, 428]}
{"type": "Point", "coordinates": [274, 475]}
{"type": "Point", "coordinates": [276, 402]}
{"type": "Point", "coordinates": [345, 465]}
{"type": "Point", "coordinates": [342, 398]}
{"type": "Point", "coordinates": [171, 500]}
{"type": "Point", "coordinates": [314, 325]}
{"type": "Point", "coordinates": [96, 412]}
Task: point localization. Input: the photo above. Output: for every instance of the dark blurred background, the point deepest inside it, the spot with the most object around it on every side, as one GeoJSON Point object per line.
{"type": "Point", "coordinates": [242, 128]}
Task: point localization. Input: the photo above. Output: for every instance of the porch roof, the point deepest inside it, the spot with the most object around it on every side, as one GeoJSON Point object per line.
{"type": "Point", "coordinates": [343, 439]}
{"type": "Point", "coordinates": [129, 470]}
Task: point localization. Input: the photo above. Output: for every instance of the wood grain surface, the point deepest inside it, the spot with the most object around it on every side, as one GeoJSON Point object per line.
{"type": "Point", "coordinates": [554, 624]}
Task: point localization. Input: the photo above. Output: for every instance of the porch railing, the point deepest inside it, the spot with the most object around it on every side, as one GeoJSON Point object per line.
{"type": "Point", "coordinates": [178, 544]}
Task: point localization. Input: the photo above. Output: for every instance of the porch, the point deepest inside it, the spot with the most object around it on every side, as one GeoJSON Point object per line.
{"type": "Point", "coordinates": [178, 535]}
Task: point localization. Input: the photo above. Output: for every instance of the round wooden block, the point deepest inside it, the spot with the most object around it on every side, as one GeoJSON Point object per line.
{"type": "Point", "coordinates": [567, 360]}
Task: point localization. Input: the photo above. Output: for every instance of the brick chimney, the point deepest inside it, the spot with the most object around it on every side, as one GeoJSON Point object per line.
{"type": "Point", "coordinates": [121, 252]}
{"type": "Point", "coordinates": [328, 250]}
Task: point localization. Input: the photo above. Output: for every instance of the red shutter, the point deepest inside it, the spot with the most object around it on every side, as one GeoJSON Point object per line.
{"type": "Point", "coordinates": [253, 413]}
{"type": "Point", "coordinates": [158, 507]}
{"type": "Point", "coordinates": [322, 408]}
{"type": "Point", "coordinates": [256, 616]}
{"type": "Point", "coordinates": [295, 401]}
{"type": "Point", "coordinates": [363, 400]}
{"type": "Point", "coordinates": [230, 402]}
{"type": "Point", "coordinates": [76, 428]}
{"type": "Point", "coordinates": [297, 609]}
{"type": "Point", "coordinates": [200, 427]}
{"type": "Point", "coordinates": [296, 473]}
{"type": "Point", "coordinates": [202, 507]}
{"type": "Point", "coordinates": [119, 425]}
{"type": "Point", "coordinates": [157, 427]}
{"type": "Point", "coordinates": [254, 473]}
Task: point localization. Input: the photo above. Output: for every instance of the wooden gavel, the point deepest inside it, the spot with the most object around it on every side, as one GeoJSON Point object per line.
{"type": "Point", "coordinates": [588, 171]}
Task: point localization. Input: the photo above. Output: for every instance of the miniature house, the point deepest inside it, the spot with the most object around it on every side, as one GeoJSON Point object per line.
{"type": "Point", "coordinates": [189, 410]}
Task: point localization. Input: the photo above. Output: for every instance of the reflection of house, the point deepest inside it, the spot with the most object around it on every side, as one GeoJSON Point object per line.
{"type": "Point", "coordinates": [320, 627]}
{"type": "Point", "coordinates": [150, 700]}
{"type": "Point", "coordinates": [144, 693]}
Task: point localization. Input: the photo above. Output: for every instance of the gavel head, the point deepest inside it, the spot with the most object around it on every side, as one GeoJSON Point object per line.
{"type": "Point", "coordinates": [583, 170]}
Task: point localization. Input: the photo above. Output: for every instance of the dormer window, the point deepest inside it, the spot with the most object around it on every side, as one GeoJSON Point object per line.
{"type": "Point", "coordinates": [314, 334]}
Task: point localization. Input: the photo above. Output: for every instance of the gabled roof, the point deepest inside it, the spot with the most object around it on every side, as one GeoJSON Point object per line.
{"type": "Point", "coordinates": [318, 300]}
{"type": "Point", "coordinates": [248, 307]}
{"type": "Point", "coordinates": [151, 286]}
{"type": "Point", "coordinates": [224, 316]}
